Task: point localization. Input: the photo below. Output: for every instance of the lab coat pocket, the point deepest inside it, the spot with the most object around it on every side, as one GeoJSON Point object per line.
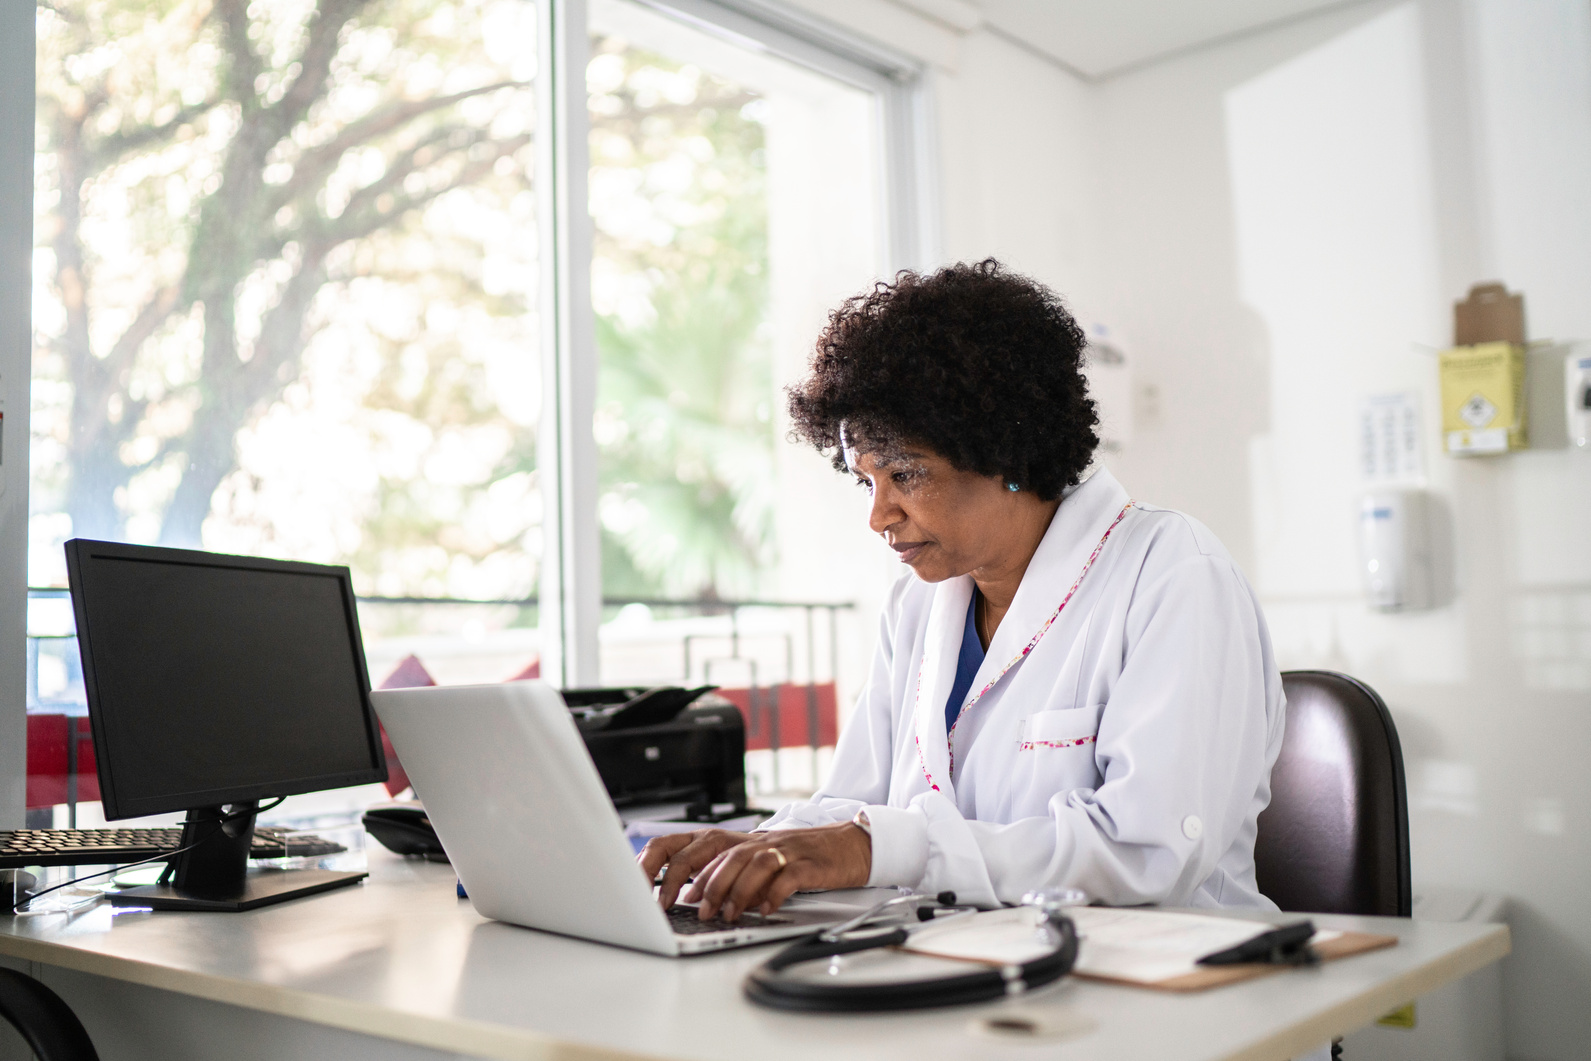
{"type": "Point", "coordinates": [1055, 754]}
{"type": "Point", "coordinates": [1072, 728]}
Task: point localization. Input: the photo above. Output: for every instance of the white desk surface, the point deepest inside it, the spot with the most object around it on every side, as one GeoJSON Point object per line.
{"type": "Point", "coordinates": [400, 957]}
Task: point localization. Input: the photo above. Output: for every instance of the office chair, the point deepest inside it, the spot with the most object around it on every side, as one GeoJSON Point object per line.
{"type": "Point", "coordinates": [51, 1029]}
{"type": "Point", "coordinates": [1335, 838]}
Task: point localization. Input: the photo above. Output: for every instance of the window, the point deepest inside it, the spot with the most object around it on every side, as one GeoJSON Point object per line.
{"type": "Point", "coordinates": [736, 197]}
{"type": "Point", "coordinates": [285, 288]}
{"type": "Point", "coordinates": [302, 284]}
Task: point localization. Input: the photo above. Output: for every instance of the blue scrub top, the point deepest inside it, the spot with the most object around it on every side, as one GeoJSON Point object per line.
{"type": "Point", "coordinates": [967, 664]}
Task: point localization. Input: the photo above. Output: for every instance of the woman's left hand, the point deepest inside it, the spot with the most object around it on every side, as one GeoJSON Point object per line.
{"type": "Point", "coordinates": [754, 876]}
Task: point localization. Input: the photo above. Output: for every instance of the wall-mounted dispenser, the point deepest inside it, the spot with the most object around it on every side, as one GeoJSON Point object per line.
{"type": "Point", "coordinates": [1577, 379]}
{"type": "Point", "coordinates": [1109, 375]}
{"type": "Point", "coordinates": [1395, 542]}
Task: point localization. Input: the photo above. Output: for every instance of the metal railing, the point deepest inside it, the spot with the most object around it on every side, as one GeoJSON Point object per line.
{"type": "Point", "coordinates": [737, 645]}
{"type": "Point", "coordinates": [764, 706]}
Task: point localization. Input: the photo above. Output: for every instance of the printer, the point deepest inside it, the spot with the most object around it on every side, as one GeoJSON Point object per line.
{"type": "Point", "coordinates": [661, 752]}
{"type": "Point", "coordinates": [665, 746]}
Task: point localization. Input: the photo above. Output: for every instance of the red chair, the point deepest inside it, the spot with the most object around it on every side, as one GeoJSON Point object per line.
{"type": "Point", "coordinates": [410, 673]}
{"type": "Point", "coordinates": [50, 772]}
{"type": "Point", "coordinates": [806, 715]}
{"type": "Point", "coordinates": [51, 775]}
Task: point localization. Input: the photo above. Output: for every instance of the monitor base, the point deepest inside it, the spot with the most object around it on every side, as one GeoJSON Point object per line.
{"type": "Point", "coordinates": [260, 888]}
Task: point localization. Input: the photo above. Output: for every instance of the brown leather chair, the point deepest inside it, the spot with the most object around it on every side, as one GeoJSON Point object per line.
{"type": "Point", "coordinates": [1335, 838]}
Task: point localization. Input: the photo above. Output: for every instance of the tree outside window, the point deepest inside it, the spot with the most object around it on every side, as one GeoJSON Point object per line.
{"type": "Point", "coordinates": [285, 295]}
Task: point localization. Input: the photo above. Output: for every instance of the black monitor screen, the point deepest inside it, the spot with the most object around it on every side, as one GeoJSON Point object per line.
{"type": "Point", "coordinates": [216, 679]}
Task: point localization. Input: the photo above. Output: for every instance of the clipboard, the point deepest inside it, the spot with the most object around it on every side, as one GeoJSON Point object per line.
{"type": "Point", "coordinates": [1158, 949]}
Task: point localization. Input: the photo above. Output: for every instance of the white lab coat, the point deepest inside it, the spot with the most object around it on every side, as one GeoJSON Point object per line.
{"type": "Point", "coordinates": [1128, 754]}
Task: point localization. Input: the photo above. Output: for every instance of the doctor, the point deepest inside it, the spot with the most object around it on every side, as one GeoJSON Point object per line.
{"type": "Point", "coordinates": [1072, 689]}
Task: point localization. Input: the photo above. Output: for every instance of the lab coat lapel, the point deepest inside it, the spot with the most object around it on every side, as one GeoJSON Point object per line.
{"type": "Point", "coordinates": [1084, 516]}
{"type": "Point", "coordinates": [947, 620]}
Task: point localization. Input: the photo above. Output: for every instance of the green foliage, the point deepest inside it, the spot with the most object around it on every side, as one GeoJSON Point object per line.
{"type": "Point", "coordinates": [287, 305]}
{"type": "Point", "coordinates": [684, 398]}
{"type": "Point", "coordinates": [289, 263]}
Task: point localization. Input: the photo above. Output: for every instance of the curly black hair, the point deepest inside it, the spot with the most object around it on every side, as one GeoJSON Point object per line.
{"type": "Point", "coordinates": [979, 364]}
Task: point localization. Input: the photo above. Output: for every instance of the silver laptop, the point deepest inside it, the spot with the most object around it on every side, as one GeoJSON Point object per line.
{"type": "Point", "coordinates": [525, 820]}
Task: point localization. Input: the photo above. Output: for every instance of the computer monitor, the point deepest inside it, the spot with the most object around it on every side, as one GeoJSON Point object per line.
{"type": "Point", "coordinates": [214, 682]}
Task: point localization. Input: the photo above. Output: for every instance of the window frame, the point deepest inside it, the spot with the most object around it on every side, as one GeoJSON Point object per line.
{"type": "Point", "coordinates": [896, 80]}
{"type": "Point", "coordinates": [18, 56]}
{"type": "Point", "coordinates": [571, 602]}
{"type": "Point", "coordinates": [571, 591]}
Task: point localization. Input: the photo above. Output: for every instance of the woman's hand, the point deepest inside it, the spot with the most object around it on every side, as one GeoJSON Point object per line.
{"type": "Point", "coordinates": [736, 872]}
{"type": "Point", "coordinates": [684, 854]}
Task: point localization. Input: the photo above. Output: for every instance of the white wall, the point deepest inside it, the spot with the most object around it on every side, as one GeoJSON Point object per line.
{"type": "Point", "coordinates": [1018, 166]}
{"type": "Point", "coordinates": [1278, 225]}
{"type": "Point", "coordinates": [1015, 169]}
{"type": "Point", "coordinates": [1286, 221]}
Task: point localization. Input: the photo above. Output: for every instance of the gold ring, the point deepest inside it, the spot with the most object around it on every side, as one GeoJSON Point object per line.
{"type": "Point", "coordinates": [783, 862]}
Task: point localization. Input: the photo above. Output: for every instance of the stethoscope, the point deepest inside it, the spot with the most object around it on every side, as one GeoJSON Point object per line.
{"type": "Point", "coordinates": [791, 980]}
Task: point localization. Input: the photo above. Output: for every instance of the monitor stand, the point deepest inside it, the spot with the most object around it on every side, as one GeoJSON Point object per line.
{"type": "Point", "coordinates": [215, 874]}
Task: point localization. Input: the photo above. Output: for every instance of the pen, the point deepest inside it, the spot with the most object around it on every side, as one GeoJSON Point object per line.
{"type": "Point", "coordinates": [1288, 945]}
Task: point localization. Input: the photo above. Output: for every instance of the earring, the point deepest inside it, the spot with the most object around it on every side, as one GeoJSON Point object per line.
{"type": "Point", "coordinates": [1013, 487]}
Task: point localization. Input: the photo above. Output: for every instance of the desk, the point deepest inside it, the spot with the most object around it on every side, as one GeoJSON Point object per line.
{"type": "Point", "coordinates": [399, 960]}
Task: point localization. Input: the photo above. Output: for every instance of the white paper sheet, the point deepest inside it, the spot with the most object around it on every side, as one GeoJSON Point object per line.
{"type": "Point", "coordinates": [1009, 937]}
{"type": "Point", "coordinates": [1149, 946]}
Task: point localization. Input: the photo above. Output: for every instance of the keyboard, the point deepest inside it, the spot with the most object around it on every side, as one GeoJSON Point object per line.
{"type": "Point", "coordinates": [110, 847]}
{"type": "Point", "coordinates": [684, 922]}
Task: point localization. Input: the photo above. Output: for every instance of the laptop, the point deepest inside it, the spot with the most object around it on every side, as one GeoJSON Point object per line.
{"type": "Point", "coordinates": [524, 818]}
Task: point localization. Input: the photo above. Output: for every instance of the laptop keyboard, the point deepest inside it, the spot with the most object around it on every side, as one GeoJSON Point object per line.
{"type": "Point", "coordinates": [684, 922]}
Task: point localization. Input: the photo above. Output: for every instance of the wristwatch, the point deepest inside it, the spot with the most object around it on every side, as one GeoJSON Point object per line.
{"type": "Point", "coordinates": [861, 822]}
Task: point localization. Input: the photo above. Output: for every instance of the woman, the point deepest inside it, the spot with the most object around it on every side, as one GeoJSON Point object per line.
{"type": "Point", "coordinates": [1071, 689]}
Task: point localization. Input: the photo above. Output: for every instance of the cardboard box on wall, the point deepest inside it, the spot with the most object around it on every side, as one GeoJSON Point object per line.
{"type": "Point", "coordinates": [1490, 314]}
{"type": "Point", "coordinates": [1483, 376]}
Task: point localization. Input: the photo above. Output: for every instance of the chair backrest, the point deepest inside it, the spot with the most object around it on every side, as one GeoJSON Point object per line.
{"type": "Point", "coordinates": [43, 1018]}
{"type": "Point", "coordinates": [1335, 838]}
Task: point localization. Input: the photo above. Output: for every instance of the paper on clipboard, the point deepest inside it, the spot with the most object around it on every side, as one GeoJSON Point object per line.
{"type": "Point", "coordinates": [1159, 948]}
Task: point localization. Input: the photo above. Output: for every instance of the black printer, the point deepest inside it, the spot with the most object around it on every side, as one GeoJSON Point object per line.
{"type": "Point", "coordinates": [666, 745]}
